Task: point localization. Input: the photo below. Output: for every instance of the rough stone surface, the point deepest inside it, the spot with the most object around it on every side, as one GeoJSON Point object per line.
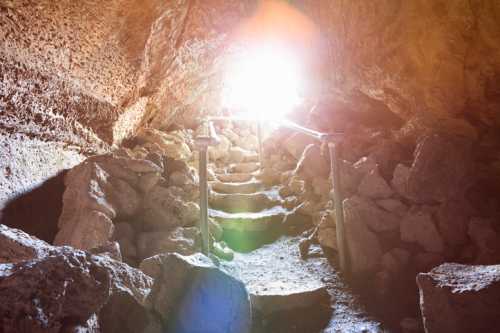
{"type": "Point", "coordinates": [60, 288]}
{"type": "Point", "coordinates": [364, 247]}
{"type": "Point", "coordinates": [19, 246]}
{"type": "Point", "coordinates": [460, 298]}
{"type": "Point", "coordinates": [486, 239]}
{"type": "Point", "coordinates": [374, 186]}
{"type": "Point", "coordinates": [192, 287]}
{"type": "Point", "coordinates": [441, 169]}
{"type": "Point", "coordinates": [180, 240]}
{"type": "Point", "coordinates": [418, 227]}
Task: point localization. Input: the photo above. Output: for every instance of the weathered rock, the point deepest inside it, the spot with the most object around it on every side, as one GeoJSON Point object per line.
{"type": "Point", "coordinates": [460, 298]}
{"type": "Point", "coordinates": [400, 180]}
{"type": "Point", "coordinates": [170, 145]}
{"type": "Point", "coordinates": [297, 143]}
{"type": "Point", "coordinates": [374, 186]}
{"type": "Point", "coordinates": [221, 150]}
{"type": "Point", "coordinates": [161, 209]}
{"type": "Point", "coordinates": [181, 179]}
{"type": "Point", "coordinates": [363, 245]}
{"type": "Point", "coordinates": [17, 246]}
{"type": "Point", "coordinates": [327, 233]}
{"type": "Point", "coordinates": [313, 164]}
{"type": "Point", "coordinates": [110, 250]}
{"type": "Point", "coordinates": [425, 261]}
{"type": "Point", "coordinates": [85, 221]}
{"type": "Point", "coordinates": [123, 198]}
{"type": "Point", "coordinates": [486, 239]}
{"type": "Point", "coordinates": [395, 260]}
{"type": "Point", "coordinates": [418, 227]}
{"type": "Point", "coordinates": [393, 205]}
{"type": "Point", "coordinates": [192, 287]}
{"type": "Point", "coordinates": [370, 215]}
{"type": "Point", "coordinates": [180, 240]}
{"type": "Point", "coordinates": [441, 169]}
{"type": "Point", "coordinates": [190, 213]}
{"type": "Point", "coordinates": [66, 288]}
{"type": "Point", "coordinates": [93, 230]}
{"type": "Point", "coordinates": [148, 181]}
{"type": "Point", "coordinates": [453, 218]}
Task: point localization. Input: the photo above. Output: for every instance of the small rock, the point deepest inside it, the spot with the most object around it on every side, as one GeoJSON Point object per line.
{"type": "Point", "coordinates": [123, 198]}
{"type": "Point", "coordinates": [148, 181]}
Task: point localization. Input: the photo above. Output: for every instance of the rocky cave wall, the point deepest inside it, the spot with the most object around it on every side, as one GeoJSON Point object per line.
{"type": "Point", "coordinates": [80, 77]}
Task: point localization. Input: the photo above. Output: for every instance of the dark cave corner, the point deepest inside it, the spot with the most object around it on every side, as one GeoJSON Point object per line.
{"type": "Point", "coordinates": [37, 212]}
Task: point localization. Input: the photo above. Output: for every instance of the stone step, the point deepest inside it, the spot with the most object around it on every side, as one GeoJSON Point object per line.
{"type": "Point", "coordinates": [257, 221]}
{"type": "Point", "coordinates": [231, 188]}
{"type": "Point", "coordinates": [234, 177]}
{"type": "Point", "coordinates": [247, 167]}
{"type": "Point", "coordinates": [238, 203]}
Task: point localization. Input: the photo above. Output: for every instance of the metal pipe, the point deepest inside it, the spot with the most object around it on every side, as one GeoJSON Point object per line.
{"type": "Point", "coordinates": [259, 136]}
{"type": "Point", "coordinates": [334, 149]}
{"type": "Point", "coordinates": [204, 199]}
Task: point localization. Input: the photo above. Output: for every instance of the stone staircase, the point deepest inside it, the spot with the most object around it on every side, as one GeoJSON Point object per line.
{"type": "Point", "coordinates": [249, 211]}
{"type": "Point", "coordinates": [254, 222]}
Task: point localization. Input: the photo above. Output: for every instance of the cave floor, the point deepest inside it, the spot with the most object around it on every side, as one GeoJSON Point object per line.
{"type": "Point", "coordinates": [279, 263]}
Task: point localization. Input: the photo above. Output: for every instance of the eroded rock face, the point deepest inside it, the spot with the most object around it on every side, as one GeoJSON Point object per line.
{"type": "Point", "coordinates": [55, 289]}
{"type": "Point", "coordinates": [460, 298]}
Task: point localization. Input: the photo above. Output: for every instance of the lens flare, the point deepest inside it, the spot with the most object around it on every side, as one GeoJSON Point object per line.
{"type": "Point", "coordinates": [264, 82]}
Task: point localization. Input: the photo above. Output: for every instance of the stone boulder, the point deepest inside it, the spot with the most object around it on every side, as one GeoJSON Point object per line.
{"type": "Point", "coordinates": [453, 218]}
{"type": "Point", "coordinates": [442, 169]}
{"type": "Point", "coordinates": [418, 227]}
{"type": "Point", "coordinates": [486, 240]}
{"type": "Point", "coordinates": [313, 163]}
{"type": "Point", "coordinates": [66, 288]}
{"type": "Point", "coordinates": [17, 246]}
{"type": "Point", "coordinates": [297, 143]}
{"type": "Point", "coordinates": [374, 186]}
{"type": "Point", "coordinates": [460, 298]}
{"type": "Point", "coordinates": [180, 240]}
{"type": "Point", "coordinates": [369, 214]}
{"type": "Point", "coordinates": [161, 209]}
{"type": "Point", "coordinates": [171, 145]}
{"type": "Point", "coordinates": [364, 247]}
{"type": "Point", "coordinates": [189, 287]}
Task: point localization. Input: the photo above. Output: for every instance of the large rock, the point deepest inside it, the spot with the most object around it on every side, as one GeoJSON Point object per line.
{"type": "Point", "coordinates": [367, 213]}
{"type": "Point", "coordinates": [297, 143]}
{"type": "Point", "coordinates": [181, 240]}
{"type": "Point", "coordinates": [486, 240]}
{"type": "Point", "coordinates": [460, 298]}
{"type": "Point", "coordinates": [374, 186]}
{"type": "Point", "coordinates": [53, 293]}
{"type": "Point", "coordinates": [192, 295]}
{"type": "Point", "coordinates": [453, 218]}
{"type": "Point", "coordinates": [441, 169]}
{"type": "Point", "coordinates": [17, 246]}
{"type": "Point", "coordinates": [313, 163]}
{"type": "Point", "coordinates": [170, 145]}
{"type": "Point", "coordinates": [418, 227]}
{"type": "Point", "coordinates": [363, 244]}
{"type": "Point", "coordinates": [162, 208]}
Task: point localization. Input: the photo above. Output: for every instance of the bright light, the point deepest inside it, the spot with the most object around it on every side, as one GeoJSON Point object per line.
{"type": "Point", "coordinates": [263, 82]}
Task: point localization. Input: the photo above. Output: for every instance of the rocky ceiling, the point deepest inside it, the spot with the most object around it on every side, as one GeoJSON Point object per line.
{"type": "Point", "coordinates": [80, 76]}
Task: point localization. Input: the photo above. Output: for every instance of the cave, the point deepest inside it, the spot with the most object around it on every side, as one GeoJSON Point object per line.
{"type": "Point", "coordinates": [249, 166]}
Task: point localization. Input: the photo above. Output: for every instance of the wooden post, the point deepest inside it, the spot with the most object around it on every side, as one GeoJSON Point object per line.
{"type": "Point", "coordinates": [334, 148]}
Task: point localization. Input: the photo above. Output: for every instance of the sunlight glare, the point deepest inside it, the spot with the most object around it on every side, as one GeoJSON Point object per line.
{"type": "Point", "coordinates": [264, 83]}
